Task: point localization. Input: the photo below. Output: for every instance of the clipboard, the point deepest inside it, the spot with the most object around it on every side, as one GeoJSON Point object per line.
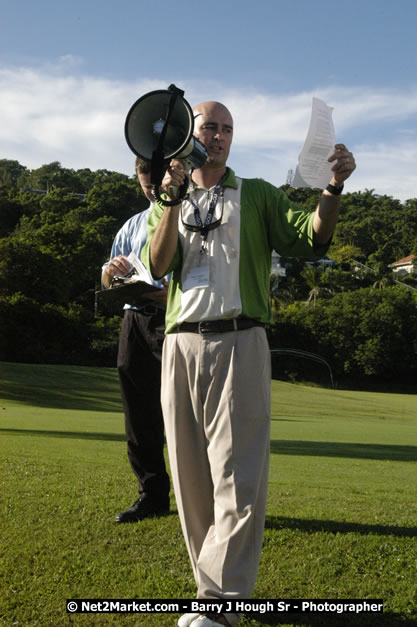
{"type": "Point", "coordinates": [115, 298]}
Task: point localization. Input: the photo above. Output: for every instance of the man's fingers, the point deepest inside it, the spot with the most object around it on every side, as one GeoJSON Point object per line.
{"type": "Point", "coordinates": [119, 265]}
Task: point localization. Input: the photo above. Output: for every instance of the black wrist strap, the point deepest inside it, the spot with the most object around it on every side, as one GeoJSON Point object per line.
{"type": "Point", "coordinates": [336, 190]}
{"type": "Point", "coordinates": [171, 203]}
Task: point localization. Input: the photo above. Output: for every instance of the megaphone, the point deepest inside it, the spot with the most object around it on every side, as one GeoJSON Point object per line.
{"type": "Point", "coordinates": [159, 127]}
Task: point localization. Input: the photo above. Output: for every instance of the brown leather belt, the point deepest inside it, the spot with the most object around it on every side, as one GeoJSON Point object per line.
{"type": "Point", "coordinates": [217, 326]}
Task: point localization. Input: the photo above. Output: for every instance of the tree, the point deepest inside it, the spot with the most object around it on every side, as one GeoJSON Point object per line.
{"type": "Point", "coordinates": [316, 278]}
{"type": "Point", "coordinates": [52, 247]}
{"type": "Point", "coordinates": [289, 287]}
{"type": "Point", "coordinates": [366, 334]}
{"type": "Point", "coordinates": [51, 253]}
{"type": "Point", "coordinates": [346, 253]}
{"type": "Point", "coordinates": [10, 213]}
{"type": "Point", "coordinates": [10, 171]}
{"type": "Point", "coordinates": [382, 276]}
{"type": "Point", "coordinates": [49, 177]}
{"type": "Point", "coordinates": [120, 200]}
{"type": "Point", "coordinates": [25, 269]}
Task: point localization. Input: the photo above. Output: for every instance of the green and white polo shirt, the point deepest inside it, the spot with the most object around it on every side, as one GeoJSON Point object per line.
{"type": "Point", "coordinates": [234, 280]}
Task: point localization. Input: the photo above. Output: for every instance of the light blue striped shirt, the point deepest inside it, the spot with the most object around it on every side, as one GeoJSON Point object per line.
{"type": "Point", "coordinates": [132, 237]}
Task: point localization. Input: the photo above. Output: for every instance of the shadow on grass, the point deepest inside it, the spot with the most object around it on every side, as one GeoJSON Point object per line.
{"type": "Point", "coordinates": [61, 387]}
{"type": "Point", "coordinates": [77, 435]}
{"type": "Point", "coordinates": [332, 526]}
{"type": "Point", "coordinates": [392, 452]}
{"type": "Point", "coordinates": [274, 418]}
{"type": "Point", "coordinates": [388, 619]}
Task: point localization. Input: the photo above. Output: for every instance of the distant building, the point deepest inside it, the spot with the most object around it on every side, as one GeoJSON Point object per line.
{"type": "Point", "coordinates": [324, 261]}
{"type": "Point", "coordinates": [277, 268]}
{"type": "Point", "coordinates": [404, 266]}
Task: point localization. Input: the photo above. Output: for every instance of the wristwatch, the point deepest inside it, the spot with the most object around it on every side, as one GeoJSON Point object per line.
{"type": "Point", "coordinates": [335, 189]}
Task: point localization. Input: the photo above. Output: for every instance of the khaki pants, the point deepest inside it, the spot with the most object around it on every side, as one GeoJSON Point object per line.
{"type": "Point", "coordinates": [216, 404]}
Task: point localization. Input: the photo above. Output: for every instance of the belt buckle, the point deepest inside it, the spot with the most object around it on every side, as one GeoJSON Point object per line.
{"type": "Point", "coordinates": [204, 327]}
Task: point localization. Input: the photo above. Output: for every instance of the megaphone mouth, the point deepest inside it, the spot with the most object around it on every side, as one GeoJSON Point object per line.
{"type": "Point", "coordinates": [146, 120]}
{"type": "Point", "coordinates": [159, 127]}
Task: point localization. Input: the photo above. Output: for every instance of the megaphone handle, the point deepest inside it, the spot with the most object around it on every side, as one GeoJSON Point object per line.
{"type": "Point", "coordinates": [172, 190]}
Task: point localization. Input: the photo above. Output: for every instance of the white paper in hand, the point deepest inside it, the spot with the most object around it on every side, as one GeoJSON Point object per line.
{"type": "Point", "coordinates": [313, 169]}
{"type": "Point", "coordinates": [142, 273]}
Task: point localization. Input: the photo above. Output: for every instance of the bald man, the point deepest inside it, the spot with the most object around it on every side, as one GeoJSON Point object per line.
{"type": "Point", "coordinates": [216, 359]}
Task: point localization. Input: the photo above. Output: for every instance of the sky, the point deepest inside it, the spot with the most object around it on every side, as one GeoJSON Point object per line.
{"type": "Point", "coordinates": [70, 71]}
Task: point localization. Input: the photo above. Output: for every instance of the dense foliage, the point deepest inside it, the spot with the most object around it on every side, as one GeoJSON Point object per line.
{"type": "Point", "coordinates": [56, 230]}
{"type": "Point", "coordinates": [358, 315]}
{"type": "Point", "coordinates": [52, 247]}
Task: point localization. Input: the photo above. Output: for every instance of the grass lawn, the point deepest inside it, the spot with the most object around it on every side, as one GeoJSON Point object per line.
{"type": "Point", "coordinates": [341, 517]}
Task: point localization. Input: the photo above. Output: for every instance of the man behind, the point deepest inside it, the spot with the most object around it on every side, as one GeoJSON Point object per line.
{"type": "Point", "coordinates": [216, 360]}
{"type": "Point", "coordinates": [139, 368]}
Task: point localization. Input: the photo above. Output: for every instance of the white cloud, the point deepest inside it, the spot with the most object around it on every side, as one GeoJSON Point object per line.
{"type": "Point", "coordinates": [76, 120]}
{"type": "Point", "coordinates": [388, 169]}
{"type": "Point", "coordinates": [57, 114]}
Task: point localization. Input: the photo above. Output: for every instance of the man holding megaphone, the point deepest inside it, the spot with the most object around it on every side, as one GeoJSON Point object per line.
{"type": "Point", "coordinates": [216, 379]}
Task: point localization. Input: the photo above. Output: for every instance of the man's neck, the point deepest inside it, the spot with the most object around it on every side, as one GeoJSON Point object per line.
{"type": "Point", "coordinates": [208, 177]}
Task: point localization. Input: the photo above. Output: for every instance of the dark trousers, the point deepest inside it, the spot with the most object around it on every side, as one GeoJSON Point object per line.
{"type": "Point", "coordinates": [139, 367]}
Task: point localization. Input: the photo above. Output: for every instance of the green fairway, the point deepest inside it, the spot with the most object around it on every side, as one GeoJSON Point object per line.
{"type": "Point", "coordinates": [341, 517]}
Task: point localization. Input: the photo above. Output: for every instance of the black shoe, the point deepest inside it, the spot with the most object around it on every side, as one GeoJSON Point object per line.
{"type": "Point", "coordinates": [143, 508]}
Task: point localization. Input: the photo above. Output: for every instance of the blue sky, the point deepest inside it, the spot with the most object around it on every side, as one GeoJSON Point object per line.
{"type": "Point", "coordinates": [69, 72]}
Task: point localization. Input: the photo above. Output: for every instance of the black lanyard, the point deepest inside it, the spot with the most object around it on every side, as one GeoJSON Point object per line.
{"type": "Point", "coordinates": [208, 225]}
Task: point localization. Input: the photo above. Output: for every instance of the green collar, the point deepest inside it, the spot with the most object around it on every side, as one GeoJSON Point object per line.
{"type": "Point", "coordinates": [229, 179]}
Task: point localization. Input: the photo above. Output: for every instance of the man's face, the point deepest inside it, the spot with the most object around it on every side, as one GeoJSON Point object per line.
{"type": "Point", "coordinates": [146, 185]}
{"type": "Point", "coordinates": [214, 127]}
